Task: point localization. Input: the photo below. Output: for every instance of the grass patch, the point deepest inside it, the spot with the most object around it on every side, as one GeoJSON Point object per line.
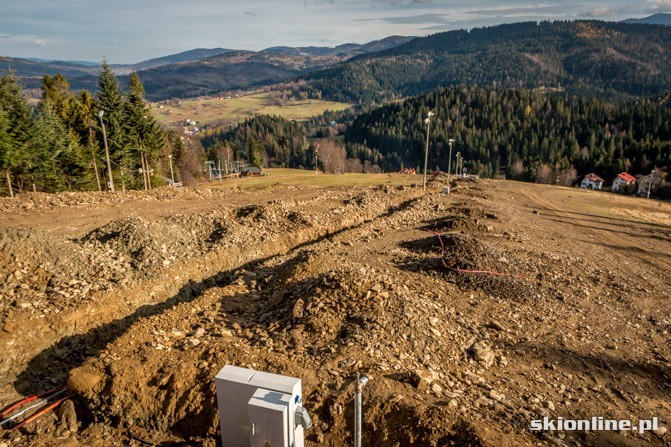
{"type": "Point", "coordinates": [229, 111]}
{"type": "Point", "coordinates": [300, 177]}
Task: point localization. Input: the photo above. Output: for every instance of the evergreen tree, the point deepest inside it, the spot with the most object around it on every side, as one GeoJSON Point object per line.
{"type": "Point", "coordinates": [18, 129]}
{"type": "Point", "coordinates": [110, 101]}
{"type": "Point", "coordinates": [144, 135]}
{"type": "Point", "coordinates": [57, 161]}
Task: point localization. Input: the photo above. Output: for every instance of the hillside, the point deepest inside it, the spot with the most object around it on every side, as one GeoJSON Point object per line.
{"type": "Point", "coordinates": [204, 71]}
{"type": "Point", "coordinates": [585, 57]}
{"type": "Point", "coordinates": [655, 19]}
{"type": "Point", "coordinates": [529, 135]}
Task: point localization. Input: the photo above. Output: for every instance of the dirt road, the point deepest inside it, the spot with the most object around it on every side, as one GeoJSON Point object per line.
{"type": "Point", "coordinates": [139, 299]}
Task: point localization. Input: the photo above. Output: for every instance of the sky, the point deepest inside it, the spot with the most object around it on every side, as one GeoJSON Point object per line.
{"type": "Point", "coordinates": [129, 31]}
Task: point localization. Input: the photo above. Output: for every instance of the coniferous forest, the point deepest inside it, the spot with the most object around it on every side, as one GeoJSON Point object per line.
{"type": "Point", "coordinates": [521, 134]}
{"type": "Point", "coordinates": [59, 144]}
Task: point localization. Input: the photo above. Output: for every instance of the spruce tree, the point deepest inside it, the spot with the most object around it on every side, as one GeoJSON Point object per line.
{"type": "Point", "coordinates": [19, 127]}
{"type": "Point", "coordinates": [144, 135]}
{"type": "Point", "coordinates": [111, 102]}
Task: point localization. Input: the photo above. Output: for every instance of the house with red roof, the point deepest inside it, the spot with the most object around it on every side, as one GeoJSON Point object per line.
{"type": "Point", "coordinates": [592, 181]}
{"type": "Point", "coordinates": [624, 182]}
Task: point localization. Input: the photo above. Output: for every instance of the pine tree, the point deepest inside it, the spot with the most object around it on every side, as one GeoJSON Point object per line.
{"type": "Point", "coordinates": [144, 135]}
{"type": "Point", "coordinates": [110, 101]}
{"type": "Point", "coordinates": [19, 127]}
{"type": "Point", "coordinates": [57, 160]}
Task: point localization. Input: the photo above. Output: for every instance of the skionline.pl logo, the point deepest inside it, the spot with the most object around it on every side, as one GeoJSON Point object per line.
{"type": "Point", "coordinates": [594, 424]}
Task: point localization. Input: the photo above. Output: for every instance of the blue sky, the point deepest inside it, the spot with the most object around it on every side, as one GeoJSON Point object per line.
{"type": "Point", "coordinates": [128, 31]}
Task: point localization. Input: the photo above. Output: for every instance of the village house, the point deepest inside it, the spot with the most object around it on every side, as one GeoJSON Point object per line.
{"type": "Point", "coordinates": [648, 183]}
{"type": "Point", "coordinates": [624, 182]}
{"type": "Point", "coordinates": [592, 181]}
{"type": "Point", "coordinates": [250, 171]}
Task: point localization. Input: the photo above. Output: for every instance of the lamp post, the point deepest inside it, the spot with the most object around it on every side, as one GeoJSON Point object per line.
{"type": "Point", "coordinates": [107, 152]}
{"type": "Point", "coordinates": [426, 151]}
{"type": "Point", "coordinates": [449, 158]}
{"type": "Point", "coordinates": [316, 150]}
{"type": "Point", "coordinates": [456, 166]}
{"type": "Point", "coordinates": [172, 174]}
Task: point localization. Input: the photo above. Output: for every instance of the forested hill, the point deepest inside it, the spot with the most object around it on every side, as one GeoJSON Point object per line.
{"type": "Point", "coordinates": [530, 136]}
{"type": "Point", "coordinates": [605, 59]}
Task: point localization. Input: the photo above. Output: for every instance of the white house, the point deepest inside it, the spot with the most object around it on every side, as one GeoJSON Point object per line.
{"type": "Point", "coordinates": [624, 182]}
{"type": "Point", "coordinates": [592, 181]}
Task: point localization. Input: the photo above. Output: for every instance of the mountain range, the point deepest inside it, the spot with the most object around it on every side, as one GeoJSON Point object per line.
{"type": "Point", "coordinates": [594, 58]}
{"type": "Point", "coordinates": [201, 71]}
{"type": "Point", "coordinates": [655, 19]}
{"type": "Point", "coordinates": [606, 59]}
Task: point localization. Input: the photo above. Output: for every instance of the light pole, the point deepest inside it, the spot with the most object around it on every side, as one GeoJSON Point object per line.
{"type": "Point", "coordinates": [456, 165]}
{"type": "Point", "coordinates": [426, 151]}
{"type": "Point", "coordinates": [107, 152]}
{"type": "Point", "coordinates": [316, 150]}
{"type": "Point", "coordinates": [449, 158]}
{"type": "Point", "coordinates": [650, 182]}
{"type": "Point", "coordinates": [172, 174]}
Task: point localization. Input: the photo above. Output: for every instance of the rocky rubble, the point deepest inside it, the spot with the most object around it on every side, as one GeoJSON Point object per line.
{"type": "Point", "coordinates": [455, 358]}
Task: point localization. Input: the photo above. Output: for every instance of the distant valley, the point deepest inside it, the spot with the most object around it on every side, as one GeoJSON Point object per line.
{"type": "Point", "coordinates": [202, 71]}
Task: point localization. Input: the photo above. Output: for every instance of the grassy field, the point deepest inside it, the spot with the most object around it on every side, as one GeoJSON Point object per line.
{"type": "Point", "coordinates": [239, 109]}
{"type": "Point", "coordinates": [299, 177]}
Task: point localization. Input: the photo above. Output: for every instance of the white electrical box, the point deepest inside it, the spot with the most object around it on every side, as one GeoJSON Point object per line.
{"type": "Point", "coordinates": [258, 409]}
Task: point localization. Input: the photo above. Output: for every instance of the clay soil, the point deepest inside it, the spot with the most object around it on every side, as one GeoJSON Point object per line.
{"type": "Point", "coordinates": [472, 313]}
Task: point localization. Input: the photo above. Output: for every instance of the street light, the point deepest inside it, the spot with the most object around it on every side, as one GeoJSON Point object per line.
{"type": "Point", "coordinates": [456, 166]}
{"type": "Point", "coordinates": [172, 174]}
{"type": "Point", "coordinates": [426, 151]}
{"type": "Point", "coordinates": [107, 152]}
{"type": "Point", "coordinates": [652, 176]}
{"type": "Point", "coordinates": [449, 159]}
{"type": "Point", "coordinates": [316, 164]}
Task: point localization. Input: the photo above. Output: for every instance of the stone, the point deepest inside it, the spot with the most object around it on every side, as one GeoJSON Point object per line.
{"type": "Point", "coordinates": [82, 381]}
{"type": "Point", "coordinates": [436, 388]}
{"type": "Point", "coordinates": [549, 405]}
{"type": "Point", "coordinates": [661, 431]}
{"type": "Point", "coordinates": [495, 325]}
{"type": "Point", "coordinates": [199, 332]}
{"type": "Point", "coordinates": [421, 379]}
{"type": "Point", "coordinates": [68, 416]}
{"type": "Point", "coordinates": [498, 397]}
{"type": "Point", "coordinates": [483, 354]}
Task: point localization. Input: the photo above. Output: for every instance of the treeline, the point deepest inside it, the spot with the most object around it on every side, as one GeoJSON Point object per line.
{"type": "Point", "coordinates": [518, 133]}
{"type": "Point", "coordinates": [275, 142]}
{"type": "Point", "coordinates": [59, 144]}
{"type": "Point", "coordinates": [524, 134]}
{"type": "Point", "coordinates": [605, 59]}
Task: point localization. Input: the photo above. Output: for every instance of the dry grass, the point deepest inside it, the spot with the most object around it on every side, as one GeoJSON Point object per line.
{"type": "Point", "coordinates": [299, 177]}
{"type": "Point", "coordinates": [238, 109]}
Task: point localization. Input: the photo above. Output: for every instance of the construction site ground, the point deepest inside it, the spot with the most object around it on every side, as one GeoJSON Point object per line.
{"type": "Point", "coordinates": [472, 313]}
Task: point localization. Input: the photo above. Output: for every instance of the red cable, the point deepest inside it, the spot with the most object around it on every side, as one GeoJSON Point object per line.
{"type": "Point", "coordinates": [487, 272]}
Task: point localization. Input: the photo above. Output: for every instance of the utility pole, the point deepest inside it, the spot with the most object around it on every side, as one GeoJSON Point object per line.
{"type": "Point", "coordinates": [426, 151]}
{"type": "Point", "coordinates": [107, 152]}
{"type": "Point", "coordinates": [449, 159]}
{"type": "Point", "coordinates": [650, 182]}
{"type": "Point", "coordinates": [316, 163]}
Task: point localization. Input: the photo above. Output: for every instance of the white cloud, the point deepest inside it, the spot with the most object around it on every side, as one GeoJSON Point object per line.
{"type": "Point", "coordinates": [658, 5]}
{"type": "Point", "coordinates": [601, 11]}
{"type": "Point", "coordinates": [41, 42]}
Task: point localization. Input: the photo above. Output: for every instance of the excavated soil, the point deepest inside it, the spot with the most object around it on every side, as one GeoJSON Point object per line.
{"type": "Point", "coordinates": [472, 313]}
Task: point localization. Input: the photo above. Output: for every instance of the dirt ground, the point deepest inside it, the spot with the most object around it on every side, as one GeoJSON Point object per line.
{"type": "Point", "coordinates": [472, 313]}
